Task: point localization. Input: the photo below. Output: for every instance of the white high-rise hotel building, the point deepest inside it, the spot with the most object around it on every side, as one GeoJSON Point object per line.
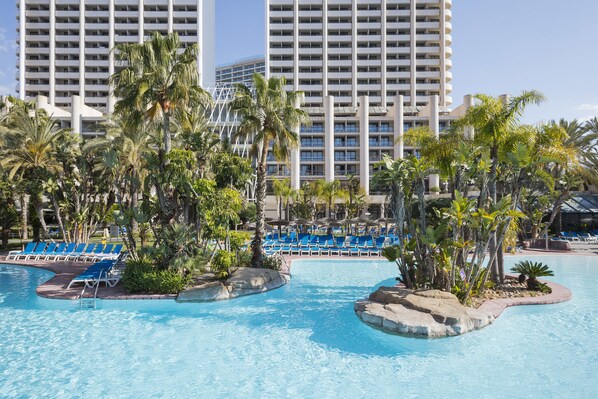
{"type": "Point", "coordinates": [64, 45]}
{"type": "Point", "coordinates": [370, 70]}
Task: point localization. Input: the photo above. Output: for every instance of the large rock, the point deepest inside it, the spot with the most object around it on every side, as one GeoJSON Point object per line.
{"type": "Point", "coordinates": [210, 291]}
{"type": "Point", "coordinates": [425, 313]}
{"type": "Point", "coordinates": [244, 281]}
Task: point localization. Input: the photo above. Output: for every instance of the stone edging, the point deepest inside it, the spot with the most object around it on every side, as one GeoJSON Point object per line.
{"type": "Point", "coordinates": [559, 294]}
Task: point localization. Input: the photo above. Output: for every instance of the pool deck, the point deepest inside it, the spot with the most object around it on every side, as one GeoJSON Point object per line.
{"type": "Point", "coordinates": [56, 287]}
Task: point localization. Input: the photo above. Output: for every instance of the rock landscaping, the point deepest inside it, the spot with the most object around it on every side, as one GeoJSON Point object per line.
{"type": "Point", "coordinates": [437, 314]}
{"type": "Point", "coordinates": [244, 281]}
{"type": "Point", "coordinates": [422, 313]}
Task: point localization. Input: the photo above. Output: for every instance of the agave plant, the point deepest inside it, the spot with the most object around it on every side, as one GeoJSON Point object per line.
{"type": "Point", "coordinates": [532, 270]}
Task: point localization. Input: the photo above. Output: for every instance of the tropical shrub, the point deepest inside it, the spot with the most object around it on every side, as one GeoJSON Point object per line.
{"type": "Point", "coordinates": [272, 262]}
{"type": "Point", "coordinates": [244, 258]}
{"type": "Point", "coordinates": [532, 270]}
{"type": "Point", "coordinates": [142, 277]}
{"type": "Point", "coordinates": [222, 263]}
{"type": "Point", "coordinates": [238, 239]}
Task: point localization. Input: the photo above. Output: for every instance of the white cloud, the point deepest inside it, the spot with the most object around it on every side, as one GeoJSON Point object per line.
{"type": "Point", "coordinates": [588, 107]}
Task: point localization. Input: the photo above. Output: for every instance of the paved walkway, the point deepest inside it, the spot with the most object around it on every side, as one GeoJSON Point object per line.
{"type": "Point", "coordinates": [56, 287]}
{"type": "Point", "coordinates": [559, 294]}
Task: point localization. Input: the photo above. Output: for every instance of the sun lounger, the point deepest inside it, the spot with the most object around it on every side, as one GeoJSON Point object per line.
{"type": "Point", "coordinates": [58, 250]}
{"type": "Point", "coordinates": [28, 249]}
{"type": "Point", "coordinates": [39, 249]}
{"type": "Point", "coordinates": [89, 255]}
{"type": "Point", "coordinates": [78, 251]}
{"type": "Point", "coordinates": [97, 273]}
{"type": "Point", "coordinates": [48, 250]}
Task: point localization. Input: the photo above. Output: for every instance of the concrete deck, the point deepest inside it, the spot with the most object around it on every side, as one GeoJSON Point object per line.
{"type": "Point", "coordinates": [56, 287]}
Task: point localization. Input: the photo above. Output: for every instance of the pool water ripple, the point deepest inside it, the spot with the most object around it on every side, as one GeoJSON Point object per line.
{"type": "Point", "coordinates": [300, 341]}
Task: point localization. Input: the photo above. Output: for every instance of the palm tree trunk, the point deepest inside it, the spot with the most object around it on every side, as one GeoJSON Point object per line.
{"type": "Point", "coordinates": [24, 216]}
{"type": "Point", "coordinates": [492, 192]}
{"type": "Point", "coordinates": [59, 217]}
{"type": "Point", "coordinates": [166, 132]}
{"type": "Point", "coordinates": [39, 210]}
{"type": "Point", "coordinates": [260, 204]}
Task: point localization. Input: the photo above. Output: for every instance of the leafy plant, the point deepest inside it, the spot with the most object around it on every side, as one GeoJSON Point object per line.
{"type": "Point", "coordinates": [222, 263]}
{"type": "Point", "coordinates": [532, 270]}
{"type": "Point", "coordinates": [272, 262]}
{"type": "Point", "coordinates": [142, 277]}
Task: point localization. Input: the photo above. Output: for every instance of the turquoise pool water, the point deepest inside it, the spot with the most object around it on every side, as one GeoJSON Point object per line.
{"type": "Point", "coordinates": [300, 341]}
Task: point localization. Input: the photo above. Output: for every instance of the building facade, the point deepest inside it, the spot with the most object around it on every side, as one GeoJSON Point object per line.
{"type": "Point", "coordinates": [240, 71]}
{"type": "Point", "coordinates": [370, 70]}
{"type": "Point", "coordinates": [64, 45]}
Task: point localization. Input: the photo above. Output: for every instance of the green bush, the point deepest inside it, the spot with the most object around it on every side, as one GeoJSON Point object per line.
{"type": "Point", "coordinates": [142, 277]}
{"type": "Point", "coordinates": [222, 262]}
{"type": "Point", "coordinates": [238, 239]}
{"type": "Point", "coordinates": [244, 258]}
{"type": "Point", "coordinates": [272, 262]}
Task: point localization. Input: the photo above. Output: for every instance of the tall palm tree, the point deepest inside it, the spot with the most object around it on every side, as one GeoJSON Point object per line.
{"type": "Point", "coordinates": [495, 121]}
{"type": "Point", "coordinates": [159, 80]}
{"type": "Point", "coordinates": [28, 153]}
{"type": "Point", "coordinates": [271, 117]}
{"type": "Point", "coordinates": [330, 192]}
{"type": "Point", "coordinates": [283, 193]}
{"type": "Point", "coordinates": [125, 149]}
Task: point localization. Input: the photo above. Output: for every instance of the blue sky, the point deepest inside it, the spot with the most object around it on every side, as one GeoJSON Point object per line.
{"type": "Point", "coordinates": [499, 47]}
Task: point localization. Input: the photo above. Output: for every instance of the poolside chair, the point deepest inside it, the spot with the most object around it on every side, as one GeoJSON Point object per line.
{"type": "Point", "coordinates": [105, 254]}
{"type": "Point", "coordinates": [286, 249]}
{"type": "Point", "coordinates": [58, 250]}
{"type": "Point", "coordinates": [70, 248]}
{"type": "Point", "coordinates": [28, 249]}
{"type": "Point", "coordinates": [379, 242]}
{"type": "Point", "coordinates": [363, 251]}
{"type": "Point", "coordinates": [39, 249]}
{"type": "Point", "coordinates": [48, 250]}
{"type": "Point", "coordinates": [78, 251]}
{"type": "Point", "coordinates": [97, 273]}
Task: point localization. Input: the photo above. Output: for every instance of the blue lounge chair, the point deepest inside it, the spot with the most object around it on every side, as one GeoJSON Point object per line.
{"type": "Point", "coordinates": [89, 255]}
{"type": "Point", "coordinates": [28, 249]}
{"type": "Point", "coordinates": [105, 254]}
{"type": "Point", "coordinates": [39, 249]}
{"type": "Point", "coordinates": [49, 249]}
{"type": "Point", "coordinates": [97, 273]}
{"type": "Point", "coordinates": [69, 249]}
{"type": "Point", "coordinates": [78, 251]}
{"type": "Point", "coordinates": [58, 250]}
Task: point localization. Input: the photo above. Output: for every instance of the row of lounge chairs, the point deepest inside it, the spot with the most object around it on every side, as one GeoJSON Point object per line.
{"type": "Point", "coordinates": [590, 237]}
{"type": "Point", "coordinates": [66, 252]}
{"type": "Point", "coordinates": [305, 244]}
{"type": "Point", "coordinates": [104, 271]}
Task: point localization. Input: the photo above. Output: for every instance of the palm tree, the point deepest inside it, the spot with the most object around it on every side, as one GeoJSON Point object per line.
{"type": "Point", "coordinates": [198, 136]}
{"type": "Point", "coordinates": [495, 121]}
{"type": "Point", "coordinates": [159, 80]}
{"type": "Point", "coordinates": [576, 157]}
{"type": "Point", "coordinates": [28, 153]}
{"type": "Point", "coordinates": [125, 149]}
{"type": "Point", "coordinates": [283, 193]}
{"type": "Point", "coordinates": [330, 191]}
{"type": "Point", "coordinates": [271, 117]}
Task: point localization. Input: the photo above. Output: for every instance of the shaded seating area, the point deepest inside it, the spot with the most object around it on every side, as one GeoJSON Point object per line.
{"type": "Point", "coordinates": [66, 252]}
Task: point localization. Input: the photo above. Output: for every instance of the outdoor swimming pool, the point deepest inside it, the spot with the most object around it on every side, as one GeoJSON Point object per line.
{"type": "Point", "coordinates": [302, 341]}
